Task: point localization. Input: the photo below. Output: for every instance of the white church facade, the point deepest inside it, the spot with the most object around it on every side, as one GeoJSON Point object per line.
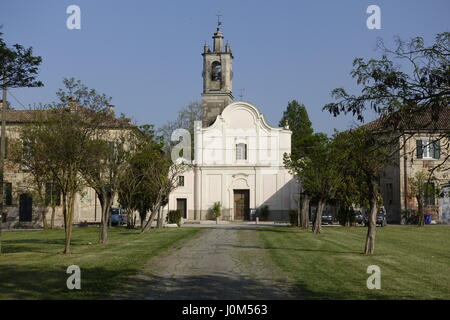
{"type": "Point", "coordinates": [238, 156]}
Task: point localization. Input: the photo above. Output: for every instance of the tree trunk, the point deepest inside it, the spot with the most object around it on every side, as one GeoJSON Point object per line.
{"type": "Point", "coordinates": [69, 221]}
{"type": "Point", "coordinates": [2, 157]}
{"type": "Point", "coordinates": [158, 221]}
{"type": "Point", "coordinates": [420, 216]}
{"type": "Point", "coordinates": [44, 218]}
{"type": "Point", "coordinates": [372, 220]}
{"type": "Point", "coordinates": [161, 217]}
{"type": "Point", "coordinates": [105, 203]}
{"type": "Point", "coordinates": [148, 224]}
{"type": "Point", "coordinates": [305, 211]}
{"type": "Point", "coordinates": [52, 221]}
{"type": "Point", "coordinates": [142, 216]}
{"type": "Point", "coordinates": [317, 226]}
{"type": "Point", "coordinates": [130, 224]}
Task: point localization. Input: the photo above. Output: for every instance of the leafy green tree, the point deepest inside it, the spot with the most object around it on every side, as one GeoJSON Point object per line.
{"type": "Point", "coordinates": [366, 154]}
{"type": "Point", "coordinates": [423, 85]}
{"type": "Point", "coordinates": [407, 83]}
{"type": "Point", "coordinates": [108, 155]}
{"type": "Point", "coordinates": [408, 87]}
{"type": "Point", "coordinates": [18, 68]}
{"type": "Point", "coordinates": [319, 173]}
{"type": "Point", "coordinates": [302, 139]}
{"type": "Point", "coordinates": [296, 117]}
{"type": "Point", "coordinates": [61, 138]}
{"type": "Point", "coordinates": [150, 179]}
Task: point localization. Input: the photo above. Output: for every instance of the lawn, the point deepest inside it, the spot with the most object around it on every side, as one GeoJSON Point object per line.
{"type": "Point", "coordinates": [32, 266]}
{"type": "Point", "coordinates": [414, 262]}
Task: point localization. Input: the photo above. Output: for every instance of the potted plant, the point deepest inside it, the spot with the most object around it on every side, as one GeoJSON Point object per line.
{"type": "Point", "coordinates": [217, 210]}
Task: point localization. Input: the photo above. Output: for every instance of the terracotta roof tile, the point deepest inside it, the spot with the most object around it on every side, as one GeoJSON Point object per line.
{"type": "Point", "coordinates": [425, 118]}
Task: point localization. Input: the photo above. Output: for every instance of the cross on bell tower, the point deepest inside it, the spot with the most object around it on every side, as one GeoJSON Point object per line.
{"type": "Point", "coordinates": [217, 77]}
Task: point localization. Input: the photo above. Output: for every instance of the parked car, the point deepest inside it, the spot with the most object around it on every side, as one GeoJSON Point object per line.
{"type": "Point", "coordinates": [118, 218]}
{"type": "Point", "coordinates": [359, 217]}
{"type": "Point", "coordinates": [327, 218]}
{"type": "Point", "coordinates": [381, 219]}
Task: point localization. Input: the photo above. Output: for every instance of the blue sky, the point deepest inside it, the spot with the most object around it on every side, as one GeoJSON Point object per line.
{"type": "Point", "coordinates": [147, 54]}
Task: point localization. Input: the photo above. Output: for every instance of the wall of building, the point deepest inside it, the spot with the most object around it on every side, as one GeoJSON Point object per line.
{"type": "Point", "coordinates": [406, 166]}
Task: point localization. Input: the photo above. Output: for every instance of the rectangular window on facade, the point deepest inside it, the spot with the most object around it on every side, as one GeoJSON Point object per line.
{"type": "Point", "coordinates": [428, 149]}
{"type": "Point", "coordinates": [52, 195]}
{"type": "Point", "coordinates": [241, 151]}
{"type": "Point", "coordinates": [181, 181]}
{"type": "Point", "coordinates": [7, 193]}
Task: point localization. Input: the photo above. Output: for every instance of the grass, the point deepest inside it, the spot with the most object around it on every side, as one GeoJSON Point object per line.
{"type": "Point", "coordinates": [414, 262]}
{"type": "Point", "coordinates": [32, 266]}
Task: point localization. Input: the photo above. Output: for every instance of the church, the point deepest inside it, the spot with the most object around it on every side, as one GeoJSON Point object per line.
{"type": "Point", "coordinates": [238, 156]}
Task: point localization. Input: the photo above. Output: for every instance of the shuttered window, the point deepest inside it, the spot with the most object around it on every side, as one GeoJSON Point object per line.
{"type": "Point", "coordinates": [428, 149]}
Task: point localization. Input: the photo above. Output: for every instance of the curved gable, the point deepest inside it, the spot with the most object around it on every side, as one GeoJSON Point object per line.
{"type": "Point", "coordinates": [243, 115]}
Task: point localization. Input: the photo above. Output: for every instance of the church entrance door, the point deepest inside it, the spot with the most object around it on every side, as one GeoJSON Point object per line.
{"type": "Point", "coordinates": [241, 204]}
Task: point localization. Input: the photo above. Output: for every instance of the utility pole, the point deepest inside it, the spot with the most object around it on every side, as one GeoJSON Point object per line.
{"type": "Point", "coordinates": [2, 160]}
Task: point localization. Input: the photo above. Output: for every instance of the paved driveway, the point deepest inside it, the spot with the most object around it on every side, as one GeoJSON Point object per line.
{"type": "Point", "coordinates": [224, 262]}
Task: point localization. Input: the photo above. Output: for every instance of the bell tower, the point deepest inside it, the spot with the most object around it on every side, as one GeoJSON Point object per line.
{"type": "Point", "coordinates": [217, 78]}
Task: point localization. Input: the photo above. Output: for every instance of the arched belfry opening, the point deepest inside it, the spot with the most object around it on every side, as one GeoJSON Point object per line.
{"type": "Point", "coordinates": [216, 71]}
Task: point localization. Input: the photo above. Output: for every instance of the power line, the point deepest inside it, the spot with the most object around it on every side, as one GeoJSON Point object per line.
{"type": "Point", "coordinates": [9, 91]}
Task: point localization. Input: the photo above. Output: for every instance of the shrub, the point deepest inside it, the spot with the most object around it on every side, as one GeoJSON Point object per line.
{"type": "Point", "coordinates": [263, 212]}
{"type": "Point", "coordinates": [409, 216]}
{"type": "Point", "coordinates": [217, 209]}
{"type": "Point", "coordinates": [293, 218]}
{"type": "Point", "coordinates": [174, 217]}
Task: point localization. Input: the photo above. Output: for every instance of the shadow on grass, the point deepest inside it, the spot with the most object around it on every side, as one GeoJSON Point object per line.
{"type": "Point", "coordinates": [36, 245]}
{"type": "Point", "coordinates": [28, 282]}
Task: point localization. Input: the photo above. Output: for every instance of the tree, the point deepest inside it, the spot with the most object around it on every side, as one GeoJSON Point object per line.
{"type": "Point", "coordinates": [150, 179]}
{"type": "Point", "coordinates": [420, 91]}
{"type": "Point", "coordinates": [108, 157]}
{"type": "Point", "coordinates": [61, 138]}
{"type": "Point", "coordinates": [399, 98]}
{"type": "Point", "coordinates": [421, 188]}
{"type": "Point", "coordinates": [135, 183]}
{"type": "Point", "coordinates": [319, 173]}
{"type": "Point", "coordinates": [296, 117]}
{"type": "Point", "coordinates": [106, 152]}
{"type": "Point", "coordinates": [35, 182]}
{"type": "Point", "coordinates": [18, 68]}
{"type": "Point", "coordinates": [164, 179]}
{"type": "Point", "coordinates": [366, 154]}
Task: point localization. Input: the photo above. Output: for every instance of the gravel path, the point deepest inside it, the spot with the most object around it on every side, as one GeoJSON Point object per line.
{"type": "Point", "coordinates": [217, 263]}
